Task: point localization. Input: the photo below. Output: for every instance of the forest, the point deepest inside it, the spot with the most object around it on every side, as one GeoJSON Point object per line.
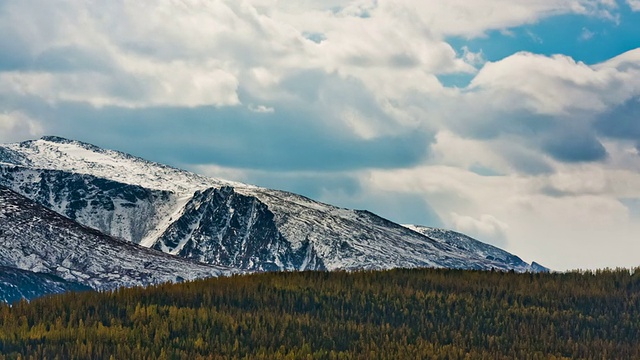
{"type": "Point", "coordinates": [393, 314]}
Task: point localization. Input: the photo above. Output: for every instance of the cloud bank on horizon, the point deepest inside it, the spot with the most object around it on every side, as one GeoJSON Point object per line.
{"type": "Point", "coordinates": [517, 122]}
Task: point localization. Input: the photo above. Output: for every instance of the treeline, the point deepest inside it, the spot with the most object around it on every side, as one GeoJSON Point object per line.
{"type": "Point", "coordinates": [396, 314]}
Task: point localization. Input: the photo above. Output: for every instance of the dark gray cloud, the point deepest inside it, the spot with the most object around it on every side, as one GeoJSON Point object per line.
{"type": "Point", "coordinates": [71, 59]}
{"type": "Point", "coordinates": [529, 163]}
{"type": "Point", "coordinates": [492, 124]}
{"type": "Point", "coordinates": [563, 138]}
{"type": "Point", "coordinates": [15, 52]}
{"type": "Point", "coordinates": [231, 136]}
{"type": "Point", "coordinates": [621, 122]}
{"type": "Point", "coordinates": [574, 147]}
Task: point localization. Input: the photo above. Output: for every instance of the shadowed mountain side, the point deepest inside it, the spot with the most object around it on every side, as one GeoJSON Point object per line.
{"type": "Point", "coordinates": [16, 284]}
{"type": "Point", "coordinates": [38, 239]}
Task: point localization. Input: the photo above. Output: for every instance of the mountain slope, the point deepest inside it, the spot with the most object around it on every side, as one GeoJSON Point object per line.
{"type": "Point", "coordinates": [37, 239]}
{"type": "Point", "coordinates": [217, 221]}
{"type": "Point", "coordinates": [468, 244]}
{"type": "Point", "coordinates": [245, 233]}
{"type": "Point", "coordinates": [16, 284]}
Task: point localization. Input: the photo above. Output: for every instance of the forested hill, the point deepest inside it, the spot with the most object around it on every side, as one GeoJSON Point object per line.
{"type": "Point", "coordinates": [395, 314]}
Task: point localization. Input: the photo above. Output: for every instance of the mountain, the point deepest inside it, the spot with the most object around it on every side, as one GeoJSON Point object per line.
{"type": "Point", "coordinates": [40, 240]}
{"type": "Point", "coordinates": [16, 284]}
{"type": "Point", "coordinates": [468, 244]}
{"type": "Point", "coordinates": [218, 221]}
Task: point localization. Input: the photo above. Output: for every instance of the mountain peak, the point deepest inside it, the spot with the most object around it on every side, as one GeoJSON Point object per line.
{"type": "Point", "coordinates": [64, 141]}
{"type": "Point", "coordinates": [56, 139]}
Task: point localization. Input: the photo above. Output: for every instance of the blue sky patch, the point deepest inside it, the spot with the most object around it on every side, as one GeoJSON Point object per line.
{"type": "Point", "coordinates": [588, 39]}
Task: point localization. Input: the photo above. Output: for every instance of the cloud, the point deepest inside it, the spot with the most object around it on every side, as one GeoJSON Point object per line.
{"type": "Point", "coordinates": [487, 227]}
{"type": "Point", "coordinates": [17, 126]}
{"type": "Point", "coordinates": [554, 85]}
{"type": "Point", "coordinates": [192, 53]}
{"type": "Point", "coordinates": [575, 147]}
{"type": "Point", "coordinates": [473, 58]}
{"type": "Point", "coordinates": [634, 5]}
{"type": "Point", "coordinates": [622, 121]}
{"type": "Point", "coordinates": [586, 34]}
{"type": "Point", "coordinates": [551, 103]}
{"type": "Point", "coordinates": [291, 139]}
{"type": "Point", "coordinates": [261, 108]}
{"type": "Point", "coordinates": [119, 60]}
{"type": "Point", "coordinates": [472, 19]}
{"type": "Point", "coordinates": [573, 182]}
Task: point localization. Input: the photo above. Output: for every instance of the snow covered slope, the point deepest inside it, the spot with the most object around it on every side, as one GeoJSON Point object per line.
{"type": "Point", "coordinates": [218, 221]}
{"type": "Point", "coordinates": [37, 239]}
{"type": "Point", "coordinates": [16, 284]}
{"type": "Point", "coordinates": [464, 243]}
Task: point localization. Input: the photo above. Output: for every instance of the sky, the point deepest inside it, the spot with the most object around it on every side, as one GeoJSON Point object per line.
{"type": "Point", "coordinates": [514, 121]}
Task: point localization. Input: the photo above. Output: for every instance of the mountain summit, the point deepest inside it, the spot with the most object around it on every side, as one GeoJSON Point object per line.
{"type": "Point", "coordinates": [223, 222]}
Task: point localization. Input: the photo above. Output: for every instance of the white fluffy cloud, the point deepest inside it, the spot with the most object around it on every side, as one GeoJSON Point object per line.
{"type": "Point", "coordinates": [486, 227]}
{"type": "Point", "coordinates": [192, 53]}
{"type": "Point", "coordinates": [16, 126]}
{"type": "Point", "coordinates": [450, 18]}
{"type": "Point", "coordinates": [558, 84]}
{"type": "Point", "coordinates": [165, 85]}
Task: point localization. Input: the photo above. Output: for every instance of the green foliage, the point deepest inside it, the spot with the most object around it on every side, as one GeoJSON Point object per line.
{"type": "Point", "coordinates": [396, 314]}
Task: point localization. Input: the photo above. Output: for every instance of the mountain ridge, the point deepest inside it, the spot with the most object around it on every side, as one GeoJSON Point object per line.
{"type": "Point", "coordinates": [330, 237]}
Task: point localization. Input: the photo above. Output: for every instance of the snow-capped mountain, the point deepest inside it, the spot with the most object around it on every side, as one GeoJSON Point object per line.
{"type": "Point", "coordinates": [217, 221]}
{"type": "Point", "coordinates": [16, 284]}
{"type": "Point", "coordinates": [40, 240]}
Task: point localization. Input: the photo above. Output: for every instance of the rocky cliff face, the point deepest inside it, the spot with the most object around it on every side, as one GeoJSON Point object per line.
{"type": "Point", "coordinates": [37, 239]}
{"type": "Point", "coordinates": [220, 226]}
{"type": "Point", "coordinates": [122, 210]}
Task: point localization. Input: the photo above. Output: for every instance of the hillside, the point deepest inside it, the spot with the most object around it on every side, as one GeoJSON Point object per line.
{"type": "Point", "coordinates": [395, 314]}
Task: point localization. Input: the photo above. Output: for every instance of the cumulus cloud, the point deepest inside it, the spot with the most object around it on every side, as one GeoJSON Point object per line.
{"type": "Point", "coordinates": [555, 85]}
{"type": "Point", "coordinates": [193, 53]}
{"type": "Point", "coordinates": [554, 104]}
{"type": "Point", "coordinates": [106, 55]}
{"type": "Point", "coordinates": [459, 17]}
{"type": "Point", "coordinates": [17, 126]}
{"type": "Point", "coordinates": [166, 85]}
